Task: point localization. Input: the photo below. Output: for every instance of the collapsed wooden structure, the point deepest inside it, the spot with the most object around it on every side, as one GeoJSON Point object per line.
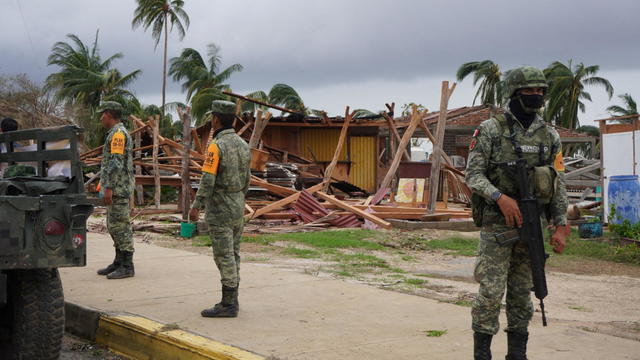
{"type": "Point", "coordinates": [309, 185]}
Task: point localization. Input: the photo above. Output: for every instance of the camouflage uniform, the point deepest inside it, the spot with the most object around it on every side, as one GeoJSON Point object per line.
{"type": "Point", "coordinates": [224, 184]}
{"type": "Point", "coordinates": [117, 174]}
{"type": "Point", "coordinates": [499, 267]}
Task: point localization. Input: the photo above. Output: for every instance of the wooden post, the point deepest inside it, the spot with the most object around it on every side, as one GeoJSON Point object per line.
{"type": "Point", "coordinates": [343, 136]}
{"type": "Point", "coordinates": [186, 179]}
{"type": "Point", "coordinates": [138, 155]}
{"type": "Point", "coordinates": [395, 137]}
{"type": "Point", "coordinates": [445, 94]}
{"type": "Point", "coordinates": [258, 129]}
{"type": "Point", "coordinates": [156, 170]}
{"type": "Point", "coordinates": [416, 117]}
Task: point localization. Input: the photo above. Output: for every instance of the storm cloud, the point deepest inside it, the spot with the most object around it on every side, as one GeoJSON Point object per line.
{"type": "Point", "coordinates": [357, 52]}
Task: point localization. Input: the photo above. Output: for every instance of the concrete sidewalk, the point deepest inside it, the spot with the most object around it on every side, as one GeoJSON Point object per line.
{"type": "Point", "coordinates": [298, 316]}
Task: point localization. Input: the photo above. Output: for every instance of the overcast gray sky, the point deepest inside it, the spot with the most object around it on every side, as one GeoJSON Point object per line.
{"type": "Point", "coordinates": [350, 52]}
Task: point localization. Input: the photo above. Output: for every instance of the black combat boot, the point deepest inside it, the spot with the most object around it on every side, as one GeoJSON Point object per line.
{"type": "Point", "coordinates": [126, 268]}
{"type": "Point", "coordinates": [517, 342]}
{"type": "Point", "coordinates": [235, 296]}
{"type": "Point", "coordinates": [228, 307]}
{"type": "Point", "coordinates": [481, 346]}
{"type": "Point", "coordinates": [114, 265]}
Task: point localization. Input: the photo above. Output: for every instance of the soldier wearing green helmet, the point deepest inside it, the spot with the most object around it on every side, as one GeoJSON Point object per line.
{"type": "Point", "coordinates": [501, 266]}
{"type": "Point", "coordinates": [221, 194]}
{"type": "Point", "coordinates": [116, 186]}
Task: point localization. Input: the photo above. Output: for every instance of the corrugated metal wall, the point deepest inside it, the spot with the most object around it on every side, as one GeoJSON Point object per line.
{"type": "Point", "coordinates": [323, 142]}
{"type": "Point", "coordinates": [362, 152]}
{"type": "Point", "coordinates": [363, 157]}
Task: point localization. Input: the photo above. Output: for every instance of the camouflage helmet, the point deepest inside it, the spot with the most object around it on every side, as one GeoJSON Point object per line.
{"type": "Point", "coordinates": [110, 105]}
{"type": "Point", "coordinates": [222, 107]}
{"type": "Point", "coordinates": [521, 78]}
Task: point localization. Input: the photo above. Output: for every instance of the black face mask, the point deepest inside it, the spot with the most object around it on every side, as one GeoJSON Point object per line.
{"type": "Point", "coordinates": [525, 117]}
{"type": "Point", "coordinates": [532, 101]}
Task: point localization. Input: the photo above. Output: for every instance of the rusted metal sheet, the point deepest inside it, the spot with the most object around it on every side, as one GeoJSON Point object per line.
{"type": "Point", "coordinates": [363, 162]}
{"type": "Point", "coordinates": [310, 209]}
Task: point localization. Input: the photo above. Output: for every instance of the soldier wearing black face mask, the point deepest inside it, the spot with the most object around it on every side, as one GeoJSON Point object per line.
{"type": "Point", "coordinates": [526, 104]}
{"type": "Point", "coordinates": [506, 267]}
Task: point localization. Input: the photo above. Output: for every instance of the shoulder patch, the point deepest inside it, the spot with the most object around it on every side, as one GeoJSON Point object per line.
{"type": "Point", "coordinates": [212, 159]}
{"type": "Point", "coordinates": [558, 162]}
{"type": "Point", "coordinates": [474, 141]}
{"type": "Point", "coordinates": [118, 143]}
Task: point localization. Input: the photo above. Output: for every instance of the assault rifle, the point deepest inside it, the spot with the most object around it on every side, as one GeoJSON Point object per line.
{"type": "Point", "coordinates": [531, 233]}
{"type": "Point", "coordinates": [531, 230]}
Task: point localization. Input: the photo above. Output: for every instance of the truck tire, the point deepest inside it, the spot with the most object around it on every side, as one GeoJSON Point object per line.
{"type": "Point", "coordinates": [33, 319]}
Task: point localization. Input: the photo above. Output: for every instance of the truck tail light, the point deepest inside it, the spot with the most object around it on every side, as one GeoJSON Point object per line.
{"type": "Point", "coordinates": [78, 240]}
{"type": "Point", "coordinates": [54, 228]}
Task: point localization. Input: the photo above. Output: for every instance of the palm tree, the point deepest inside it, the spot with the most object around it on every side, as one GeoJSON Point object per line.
{"type": "Point", "coordinates": [168, 127]}
{"type": "Point", "coordinates": [280, 94]}
{"type": "Point", "coordinates": [84, 78]}
{"type": "Point", "coordinates": [631, 108]}
{"type": "Point", "coordinates": [566, 94]}
{"type": "Point", "coordinates": [157, 14]}
{"type": "Point", "coordinates": [203, 81]}
{"type": "Point", "coordinates": [488, 74]}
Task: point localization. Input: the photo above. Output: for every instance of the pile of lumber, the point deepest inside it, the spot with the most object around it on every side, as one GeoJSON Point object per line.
{"type": "Point", "coordinates": [324, 202]}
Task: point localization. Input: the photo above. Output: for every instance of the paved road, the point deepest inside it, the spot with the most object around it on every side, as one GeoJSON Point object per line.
{"type": "Point", "coordinates": [300, 317]}
{"type": "Point", "coordinates": [74, 348]}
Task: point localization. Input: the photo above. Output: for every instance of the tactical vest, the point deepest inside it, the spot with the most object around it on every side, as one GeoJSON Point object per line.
{"type": "Point", "coordinates": [537, 149]}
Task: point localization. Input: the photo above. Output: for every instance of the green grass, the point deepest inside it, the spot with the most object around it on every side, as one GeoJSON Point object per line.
{"type": "Point", "coordinates": [457, 245]}
{"type": "Point", "coordinates": [344, 273]}
{"type": "Point", "coordinates": [608, 249]}
{"type": "Point", "coordinates": [426, 275]}
{"type": "Point", "coordinates": [351, 264]}
{"type": "Point", "coordinates": [302, 253]}
{"type": "Point", "coordinates": [465, 303]}
{"type": "Point", "coordinates": [409, 258]}
{"type": "Point", "coordinates": [435, 333]}
{"type": "Point", "coordinates": [332, 239]}
{"type": "Point", "coordinates": [201, 240]}
{"type": "Point", "coordinates": [361, 261]}
{"type": "Point", "coordinates": [414, 282]}
{"type": "Point", "coordinates": [397, 270]}
{"type": "Point", "coordinates": [256, 259]}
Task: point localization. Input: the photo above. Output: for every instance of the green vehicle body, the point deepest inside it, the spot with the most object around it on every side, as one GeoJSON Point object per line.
{"type": "Point", "coordinates": [42, 227]}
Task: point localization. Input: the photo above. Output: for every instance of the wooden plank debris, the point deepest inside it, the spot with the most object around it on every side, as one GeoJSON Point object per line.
{"type": "Point", "coordinates": [445, 95]}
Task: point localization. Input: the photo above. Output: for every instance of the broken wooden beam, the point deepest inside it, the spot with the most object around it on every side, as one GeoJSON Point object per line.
{"type": "Point", "coordinates": [434, 179]}
{"type": "Point", "coordinates": [336, 155]}
{"type": "Point", "coordinates": [286, 201]}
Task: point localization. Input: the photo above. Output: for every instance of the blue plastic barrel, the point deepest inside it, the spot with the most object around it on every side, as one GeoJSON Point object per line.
{"type": "Point", "coordinates": [624, 195]}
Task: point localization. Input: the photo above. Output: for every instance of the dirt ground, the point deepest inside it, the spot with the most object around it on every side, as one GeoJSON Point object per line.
{"type": "Point", "coordinates": [74, 348]}
{"type": "Point", "coordinates": [593, 295]}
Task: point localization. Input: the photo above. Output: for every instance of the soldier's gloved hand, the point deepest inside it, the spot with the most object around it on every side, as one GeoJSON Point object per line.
{"type": "Point", "coordinates": [108, 196]}
{"type": "Point", "coordinates": [194, 214]}
{"type": "Point", "coordinates": [558, 239]}
{"type": "Point", "coordinates": [510, 210]}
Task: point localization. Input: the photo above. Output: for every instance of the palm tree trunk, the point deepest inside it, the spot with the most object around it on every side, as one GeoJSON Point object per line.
{"type": "Point", "coordinates": [164, 65]}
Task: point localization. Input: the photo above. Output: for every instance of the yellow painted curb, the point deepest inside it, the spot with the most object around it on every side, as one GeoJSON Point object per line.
{"type": "Point", "coordinates": [143, 339]}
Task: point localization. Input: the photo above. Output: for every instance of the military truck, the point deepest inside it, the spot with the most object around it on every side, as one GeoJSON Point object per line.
{"type": "Point", "coordinates": [43, 215]}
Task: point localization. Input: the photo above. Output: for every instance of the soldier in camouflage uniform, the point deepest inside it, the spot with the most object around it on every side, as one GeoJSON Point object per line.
{"type": "Point", "coordinates": [116, 186]}
{"type": "Point", "coordinates": [498, 265]}
{"type": "Point", "coordinates": [224, 184]}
